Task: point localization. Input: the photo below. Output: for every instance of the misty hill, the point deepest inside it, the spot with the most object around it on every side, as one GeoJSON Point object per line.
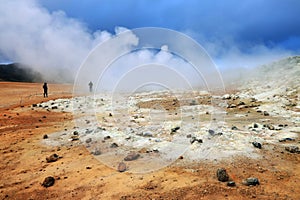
{"type": "Point", "coordinates": [19, 73]}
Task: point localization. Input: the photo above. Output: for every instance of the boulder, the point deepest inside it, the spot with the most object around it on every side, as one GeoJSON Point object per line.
{"type": "Point", "coordinates": [48, 181]}
{"type": "Point", "coordinates": [251, 181]}
{"type": "Point", "coordinates": [222, 175]}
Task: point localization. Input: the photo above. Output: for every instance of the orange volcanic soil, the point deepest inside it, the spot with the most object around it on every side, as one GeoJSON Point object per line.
{"type": "Point", "coordinates": [78, 175]}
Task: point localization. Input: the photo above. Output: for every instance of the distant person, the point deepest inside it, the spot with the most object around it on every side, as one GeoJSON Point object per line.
{"type": "Point", "coordinates": [45, 87]}
{"type": "Point", "coordinates": [91, 86]}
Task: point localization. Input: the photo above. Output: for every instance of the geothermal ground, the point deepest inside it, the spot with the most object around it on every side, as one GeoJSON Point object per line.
{"type": "Point", "coordinates": [152, 145]}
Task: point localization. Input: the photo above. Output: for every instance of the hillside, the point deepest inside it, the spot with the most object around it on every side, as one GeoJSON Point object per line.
{"type": "Point", "coordinates": [18, 73]}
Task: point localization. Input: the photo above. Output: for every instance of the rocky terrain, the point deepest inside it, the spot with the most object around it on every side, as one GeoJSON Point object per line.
{"type": "Point", "coordinates": [240, 144]}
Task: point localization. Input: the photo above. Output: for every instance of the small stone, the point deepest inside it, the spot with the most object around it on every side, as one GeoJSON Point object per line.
{"type": "Point", "coordinates": [88, 167]}
{"type": "Point", "coordinates": [122, 167]}
{"type": "Point", "coordinates": [110, 115]}
{"type": "Point", "coordinates": [251, 181]}
{"type": "Point", "coordinates": [270, 127]}
{"type": "Point", "coordinates": [255, 125]}
{"type": "Point", "coordinates": [194, 139]}
{"type": "Point", "coordinates": [45, 136]}
{"type": "Point", "coordinates": [256, 144]}
{"type": "Point", "coordinates": [188, 135]}
{"type": "Point", "coordinates": [34, 105]}
{"type": "Point", "coordinates": [75, 133]}
{"type": "Point", "coordinates": [132, 156]}
{"type": "Point", "coordinates": [96, 152]}
{"type": "Point", "coordinates": [222, 175]}
{"type": "Point", "coordinates": [234, 128]}
{"type": "Point", "coordinates": [48, 182]}
{"type": "Point", "coordinates": [286, 139]}
{"type": "Point", "coordinates": [292, 149]}
{"type": "Point", "coordinates": [114, 145]}
{"type": "Point", "coordinates": [210, 131]}
{"type": "Point", "coordinates": [107, 137]}
{"type": "Point", "coordinates": [147, 134]}
{"type": "Point", "coordinates": [266, 113]}
{"type": "Point", "coordinates": [54, 157]}
{"type": "Point", "coordinates": [231, 183]}
{"type": "Point", "coordinates": [173, 130]}
{"type": "Point", "coordinates": [74, 137]}
{"type": "Point", "coordinates": [88, 140]}
{"type": "Point", "coordinates": [54, 107]}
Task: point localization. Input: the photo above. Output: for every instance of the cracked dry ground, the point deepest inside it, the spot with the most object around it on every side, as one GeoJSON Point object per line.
{"type": "Point", "coordinates": [79, 175]}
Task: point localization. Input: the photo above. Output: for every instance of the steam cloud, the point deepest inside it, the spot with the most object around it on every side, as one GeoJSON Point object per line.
{"type": "Point", "coordinates": [56, 45]}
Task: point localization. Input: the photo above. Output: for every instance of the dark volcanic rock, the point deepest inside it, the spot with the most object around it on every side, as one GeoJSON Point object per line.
{"type": "Point", "coordinates": [88, 140]}
{"type": "Point", "coordinates": [122, 167]}
{"type": "Point", "coordinates": [114, 145]}
{"type": "Point", "coordinates": [222, 175]}
{"type": "Point", "coordinates": [210, 131]}
{"type": "Point", "coordinates": [173, 130]}
{"type": "Point", "coordinates": [75, 133]}
{"type": "Point", "coordinates": [132, 156]}
{"type": "Point", "coordinates": [54, 157]}
{"type": "Point", "coordinates": [266, 113]}
{"type": "Point", "coordinates": [286, 139]}
{"type": "Point", "coordinates": [231, 183]}
{"type": "Point", "coordinates": [49, 181]}
{"type": "Point", "coordinates": [45, 136]}
{"type": "Point", "coordinates": [251, 181]}
{"type": "Point", "coordinates": [194, 139]}
{"type": "Point", "coordinates": [256, 145]}
{"type": "Point", "coordinates": [292, 149]}
{"type": "Point", "coordinates": [107, 137]}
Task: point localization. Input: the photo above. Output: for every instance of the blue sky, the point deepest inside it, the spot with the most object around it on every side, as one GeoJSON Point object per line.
{"type": "Point", "coordinates": [272, 23]}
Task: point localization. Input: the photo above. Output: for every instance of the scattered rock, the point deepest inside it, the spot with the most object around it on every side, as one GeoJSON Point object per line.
{"type": "Point", "coordinates": [54, 157]}
{"type": "Point", "coordinates": [147, 134]}
{"type": "Point", "coordinates": [122, 167]}
{"type": "Point", "coordinates": [269, 126]}
{"type": "Point", "coordinates": [88, 140]}
{"type": "Point", "coordinates": [114, 145]}
{"type": "Point", "coordinates": [96, 152]}
{"type": "Point", "coordinates": [132, 156]}
{"type": "Point", "coordinates": [255, 125]}
{"type": "Point", "coordinates": [222, 175]}
{"type": "Point", "coordinates": [231, 183]}
{"type": "Point", "coordinates": [256, 145]}
{"type": "Point", "coordinates": [48, 182]}
{"type": "Point", "coordinates": [286, 139]}
{"type": "Point", "coordinates": [234, 128]}
{"type": "Point", "coordinates": [188, 135]}
{"type": "Point", "coordinates": [231, 106]}
{"type": "Point", "coordinates": [107, 137]}
{"type": "Point", "coordinates": [88, 167]}
{"type": "Point", "coordinates": [110, 115]}
{"type": "Point", "coordinates": [45, 136]}
{"type": "Point", "coordinates": [194, 139]}
{"type": "Point", "coordinates": [173, 130]}
{"type": "Point", "coordinates": [226, 96]}
{"type": "Point", "coordinates": [266, 113]}
{"type": "Point", "coordinates": [251, 181]}
{"type": "Point", "coordinates": [34, 105]}
{"type": "Point", "coordinates": [74, 137]}
{"type": "Point", "coordinates": [75, 133]}
{"type": "Point", "coordinates": [54, 107]}
{"type": "Point", "coordinates": [292, 149]}
{"type": "Point", "coordinates": [210, 131]}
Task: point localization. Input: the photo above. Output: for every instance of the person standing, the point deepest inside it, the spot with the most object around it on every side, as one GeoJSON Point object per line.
{"type": "Point", "coordinates": [91, 86]}
{"type": "Point", "coordinates": [45, 87]}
